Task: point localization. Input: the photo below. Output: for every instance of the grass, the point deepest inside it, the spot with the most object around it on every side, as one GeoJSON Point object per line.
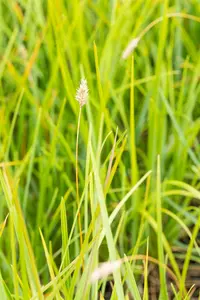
{"type": "Point", "coordinates": [115, 181]}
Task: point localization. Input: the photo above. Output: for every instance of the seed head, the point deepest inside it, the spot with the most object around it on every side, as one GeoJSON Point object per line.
{"type": "Point", "coordinates": [82, 92]}
{"type": "Point", "coordinates": [130, 48]}
{"type": "Point", "coordinates": [105, 269]}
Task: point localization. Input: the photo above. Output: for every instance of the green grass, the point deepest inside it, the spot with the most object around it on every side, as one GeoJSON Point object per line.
{"type": "Point", "coordinates": [115, 181]}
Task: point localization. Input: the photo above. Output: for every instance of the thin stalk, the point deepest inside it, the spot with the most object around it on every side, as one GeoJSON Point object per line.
{"type": "Point", "coordinates": [162, 274]}
{"type": "Point", "coordinates": [77, 182]}
{"type": "Point", "coordinates": [134, 166]}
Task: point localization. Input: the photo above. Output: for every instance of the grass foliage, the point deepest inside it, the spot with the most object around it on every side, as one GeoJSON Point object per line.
{"type": "Point", "coordinates": [114, 181]}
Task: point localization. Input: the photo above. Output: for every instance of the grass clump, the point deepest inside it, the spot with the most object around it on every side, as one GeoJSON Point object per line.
{"type": "Point", "coordinates": [99, 197]}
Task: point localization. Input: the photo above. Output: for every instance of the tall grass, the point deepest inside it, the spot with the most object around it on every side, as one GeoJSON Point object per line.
{"type": "Point", "coordinates": [115, 181]}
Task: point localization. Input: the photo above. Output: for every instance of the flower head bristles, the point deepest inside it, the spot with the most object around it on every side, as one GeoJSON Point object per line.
{"type": "Point", "coordinates": [105, 269]}
{"type": "Point", "coordinates": [130, 48]}
{"type": "Point", "coordinates": [82, 92]}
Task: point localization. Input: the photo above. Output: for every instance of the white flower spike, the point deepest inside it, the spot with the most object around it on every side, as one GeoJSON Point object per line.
{"type": "Point", "coordinates": [105, 269]}
{"type": "Point", "coordinates": [130, 48]}
{"type": "Point", "coordinates": [82, 92]}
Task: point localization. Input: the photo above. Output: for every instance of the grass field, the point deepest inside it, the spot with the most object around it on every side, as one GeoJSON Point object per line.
{"type": "Point", "coordinates": [113, 181]}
